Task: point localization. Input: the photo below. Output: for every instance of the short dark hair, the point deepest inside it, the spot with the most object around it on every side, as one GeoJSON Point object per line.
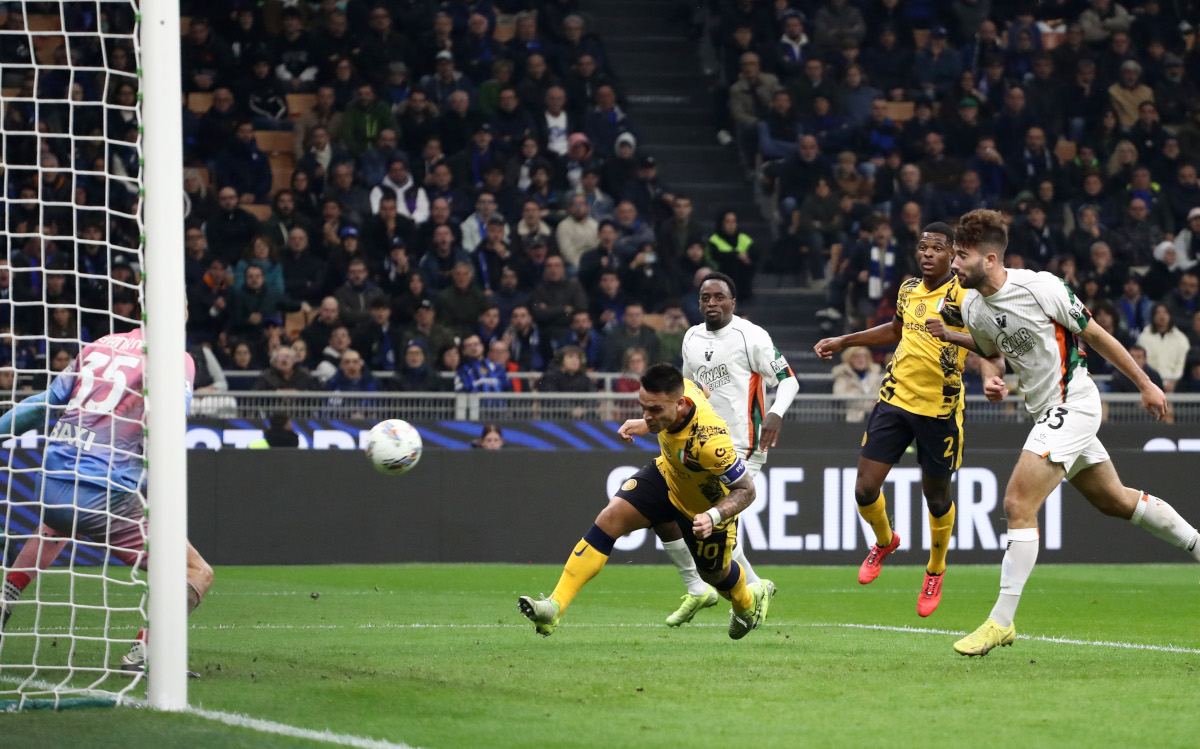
{"type": "Point", "coordinates": [982, 227]}
{"type": "Point", "coordinates": [663, 378]}
{"type": "Point", "coordinates": [715, 276]}
{"type": "Point", "coordinates": [940, 227]}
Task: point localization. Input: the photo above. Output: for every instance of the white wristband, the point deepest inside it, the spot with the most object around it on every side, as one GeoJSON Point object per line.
{"type": "Point", "coordinates": [715, 514]}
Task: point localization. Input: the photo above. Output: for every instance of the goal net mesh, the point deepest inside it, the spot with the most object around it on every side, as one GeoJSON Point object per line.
{"type": "Point", "coordinates": [70, 273]}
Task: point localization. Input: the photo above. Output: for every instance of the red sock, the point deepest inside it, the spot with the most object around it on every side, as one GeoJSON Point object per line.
{"type": "Point", "coordinates": [19, 579]}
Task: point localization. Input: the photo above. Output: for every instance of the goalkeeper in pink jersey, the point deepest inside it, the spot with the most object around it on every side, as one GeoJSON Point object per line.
{"type": "Point", "coordinates": [92, 468]}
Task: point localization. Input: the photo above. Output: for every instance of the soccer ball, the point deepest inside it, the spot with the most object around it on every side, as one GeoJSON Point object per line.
{"type": "Point", "coordinates": [394, 447]}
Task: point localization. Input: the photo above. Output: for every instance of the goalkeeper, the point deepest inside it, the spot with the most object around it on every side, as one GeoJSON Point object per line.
{"type": "Point", "coordinates": [93, 467]}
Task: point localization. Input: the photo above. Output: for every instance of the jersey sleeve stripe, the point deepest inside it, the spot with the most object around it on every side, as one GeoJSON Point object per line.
{"type": "Point", "coordinates": [1060, 336]}
{"type": "Point", "coordinates": [755, 411]}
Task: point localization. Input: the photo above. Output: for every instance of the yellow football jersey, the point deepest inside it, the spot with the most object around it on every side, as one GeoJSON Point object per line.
{"type": "Point", "coordinates": [925, 374]}
{"type": "Point", "coordinates": [698, 461]}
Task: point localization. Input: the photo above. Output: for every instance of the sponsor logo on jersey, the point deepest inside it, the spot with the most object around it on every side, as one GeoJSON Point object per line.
{"type": "Point", "coordinates": [714, 377]}
{"type": "Point", "coordinates": [1017, 344]}
{"type": "Point", "coordinates": [779, 365]}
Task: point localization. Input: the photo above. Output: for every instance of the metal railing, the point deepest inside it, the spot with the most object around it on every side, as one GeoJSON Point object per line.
{"type": "Point", "coordinates": [481, 407]}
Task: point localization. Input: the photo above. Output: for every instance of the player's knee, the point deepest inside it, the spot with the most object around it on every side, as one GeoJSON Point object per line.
{"type": "Point", "coordinates": [1016, 508]}
{"type": "Point", "coordinates": [865, 493]}
{"type": "Point", "coordinates": [939, 503]}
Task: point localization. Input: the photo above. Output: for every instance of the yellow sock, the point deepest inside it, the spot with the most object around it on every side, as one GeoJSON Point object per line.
{"type": "Point", "coordinates": [584, 563]}
{"type": "Point", "coordinates": [736, 592]}
{"type": "Point", "coordinates": [940, 529]}
{"type": "Point", "coordinates": [876, 514]}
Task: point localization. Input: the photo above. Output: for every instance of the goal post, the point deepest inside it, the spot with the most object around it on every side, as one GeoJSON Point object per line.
{"type": "Point", "coordinates": [92, 228]}
{"type": "Point", "coordinates": [166, 427]}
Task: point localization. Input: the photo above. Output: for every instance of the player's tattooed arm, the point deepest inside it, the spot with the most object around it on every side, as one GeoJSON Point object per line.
{"type": "Point", "coordinates": [741, 495]}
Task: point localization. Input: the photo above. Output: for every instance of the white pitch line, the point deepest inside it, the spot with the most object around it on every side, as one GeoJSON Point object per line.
{"type": "Point", "coordinates": [230, 719]}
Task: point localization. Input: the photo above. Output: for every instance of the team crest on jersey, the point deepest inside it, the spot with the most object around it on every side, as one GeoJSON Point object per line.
{"type": "Point", "coordinates": [920, 311]}
{"type": "Point", "coordinates": [629, 485]}
{"type": "Point", "coordinates": [1002, 320]}
{"type": "Point", "coordinates": [708, 355]}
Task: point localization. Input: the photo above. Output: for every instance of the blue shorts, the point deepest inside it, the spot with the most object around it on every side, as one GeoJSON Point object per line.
{"type": "Point", "coordinates": [113, 519]}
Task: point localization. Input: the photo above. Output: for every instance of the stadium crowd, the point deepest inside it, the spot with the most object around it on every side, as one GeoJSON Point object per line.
{"type": "Point", "coordinates": [452, 191]}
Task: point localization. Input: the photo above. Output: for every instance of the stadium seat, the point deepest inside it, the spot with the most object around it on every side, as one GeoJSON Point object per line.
{"type": "Point", "coordinates": [655, 321]}
{"type": "Point", "coordinates": [274, 141]}
{"type": "Point", "coordinates": [204, 175]}
{"type": "Point", "coordinates": [42, 22]}
{"type": "Point", "coordinates": [280, 179]}
{"type": "Point", "coordinates": [900, 111]}
{"type": "Point", "coordinates": [199, 102]}
{"type": "Point", "coordinates": [184, 23]}
{"type": "Point", "coordinates": [921, 38]}
{"type": "Point", "coordinates": [1065, 151]}
{"type": "Point", "coordinates": [505, 30]}
{"type": "Point", "coordinates": [260, 212]}
{"type": "Point", "coordinates": [299, 104]}
{"type": "Point", "coordinates": [294, 322]}
{"type": "Point", "coordinates": [9, 92]}
{"type": "Point", "coordinates": [285, 160]}
{"type": "Point", "coordinates": [1051, 39]}
{"type": "Point", "coordinates": [44, 46]}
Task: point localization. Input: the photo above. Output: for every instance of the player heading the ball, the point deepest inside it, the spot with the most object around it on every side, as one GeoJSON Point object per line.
{"type": "Point", "coordinates": [698, 482]}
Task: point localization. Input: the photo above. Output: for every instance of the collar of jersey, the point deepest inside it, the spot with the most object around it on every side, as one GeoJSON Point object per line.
{"type": "Point", "coordinates": [691, 415]}
{"type": "Point", "coordinates": [949, 278]}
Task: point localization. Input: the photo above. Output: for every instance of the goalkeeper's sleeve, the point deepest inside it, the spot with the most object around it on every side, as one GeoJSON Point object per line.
{"type": "Point", "coordinates": [28, 414]}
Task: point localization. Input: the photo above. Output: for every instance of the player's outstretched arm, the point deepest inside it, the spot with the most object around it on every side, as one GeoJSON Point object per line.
{"type": "Point", "coordinates": [741, 496]}
{"type": "Point", "coordinates": [29, 413]}
{"type": "Point", "coordinates": [887, 334]}
{"type": "Point", "coordinates": [1102, 342]}
{"type": "Point", "coordinates": [633, 428]}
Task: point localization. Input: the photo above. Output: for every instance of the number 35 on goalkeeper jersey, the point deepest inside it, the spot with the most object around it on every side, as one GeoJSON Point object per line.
{"type": "Point", "coordinates": [735, 362]}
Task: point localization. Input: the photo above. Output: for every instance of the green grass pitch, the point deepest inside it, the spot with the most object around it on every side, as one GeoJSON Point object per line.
{"type": "Point", "coordinates": [438, 656]}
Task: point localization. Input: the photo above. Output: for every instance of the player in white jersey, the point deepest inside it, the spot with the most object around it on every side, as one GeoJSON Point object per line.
{"type": "Point", "coordinates": [733, 359]}
{"type": "Point", "coordinates": [1031, 320]}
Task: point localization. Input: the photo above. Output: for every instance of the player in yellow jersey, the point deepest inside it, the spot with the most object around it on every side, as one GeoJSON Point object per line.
{"type": "Point", "coordinates": [921, 399]}
{"type": "Point", "coordinates": [698, 482]}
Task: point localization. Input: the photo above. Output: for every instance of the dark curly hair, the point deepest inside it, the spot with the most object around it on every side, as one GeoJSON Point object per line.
{"type": "Point", "coordinates": [982, 229]}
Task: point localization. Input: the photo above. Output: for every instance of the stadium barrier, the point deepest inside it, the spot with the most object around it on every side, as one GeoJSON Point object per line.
{"type": "Point", "coordinates": [1122, 408]}
{"type": "Point", "coordinates": [523, 506]}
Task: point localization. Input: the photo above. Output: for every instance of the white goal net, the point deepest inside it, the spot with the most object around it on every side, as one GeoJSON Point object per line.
{"type": "Point", "coordinates": [70, 273]}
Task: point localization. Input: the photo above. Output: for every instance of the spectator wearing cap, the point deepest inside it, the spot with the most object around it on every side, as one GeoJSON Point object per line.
{"type": "Point", "coordinates": [255, 306]}
{"type": "Point", "coordinates": [1101, 19]}
{"type": "Point", "coordinates": [648, 193]}
{"type": "Point", "coordinates": [554, 301]}
{"type": "Point", "coordinates": [357, 294]}
{"type": "Point", "coordinates": [578, 233]}
{"type": "Point", "coordinates": [1187, 241]}
{"type": "Point", "coordinates": [244, 167]}
{"type": "Point", "coordinates": [438, 263]}
{"type": "Point", "coordinates": [322, 155]}
{"type": "Point", "coordinates": [1128, 93]}
{"type": "Point", "coordinates": [285, 375]}
{"type": "Point", "coordinates": [414, 375]}
{"type": "Point", "coordinates": [381, 45]}
{"type": "Point", "coordinates": [470, 165]}
{"type": "Point", "coordinates": [937, 67]}
{"type": "Point", "coordinates": [460, 304]}
{"type": "Point", "coordinates": [366, 116]}
{"type": "Point", "coordinates": [303, 271]}
{"type": "Point", "coordinates": [427, 330]}
{"type": "Point", "coordinates": [474, 227]}
{"type": "Point", "coordinates": [477, 49]}
{"type": "Point", "coordinates": [510, 123]}
{"type": "Point", "coordinates": [349, 248]}
{"type": "Point", "coordinates": [1174, 92]}
{"type": "Point", "coordinates": [445, 81]}
{"type": "Point", "coordinates": [606, 121]}
{"type": "Point", "coordinates": [411, 201]}
{"type": "Point", "coordinates": [322, 114]}
{"type": "Point", "coordinates": [228, 231]}
{"type": "Point", "coordinates": [263, 96]}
